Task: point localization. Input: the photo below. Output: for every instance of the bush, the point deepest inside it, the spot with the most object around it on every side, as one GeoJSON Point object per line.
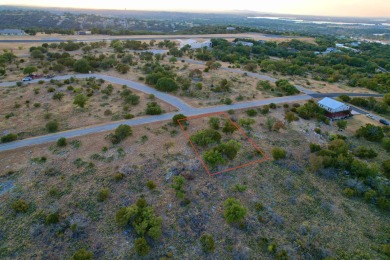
{"type": "Point", "coordinates": [20, 206]}
{"type": "Point", "coordinates": [62, 142]}
{"type": "Point", "coordinates": [52, 218]}
{"type": "Point", "coordinates": [386, 143]}
{"type": "Point", "coordinates": [362, 170]}
{"type": "Point", "coordinates": [82, 254]}
{"type": "Point", "coordinates": [151, 185]}
{"type": "Point", "coordinates": [206, 137]}
{"type": "Point", "coordinates": [345, 98]}
{"type": "Point", "coordinates": [141, 217]}
{"type": "Point", "coordinates": [370, 132]}
{"type": "Point", "coordinates": [166, 85]}
{"type": "Point", "coordinates": [58, 96]}
{"type": "Point", "coordinates": [214, 123]}
{"type": "Point", "coordinates": [278, 153]}
{"type": "Point", "coordinates": [341, 124]}
{"type": "Point", "coordinates": [229, 127]}
{"type": "Point", "coordinates": [228, 101]}
{"type": "Point", "coordinates": [52, 126]}
{"type": "Point", "coordinates": [363, 152]}
{"type": "Point", "coordinates": [153, 109]}
{"type": "Point", "coordinates": [177, 117]}
{"type": "Point", "coordinates": [386, 168]}
{"type": "Point", "coordinates": [314, 147]}
{"type": "Point", "coordinates": [80, 100]}
{"type": "Point", "coordinates": [207, 243]}
{"type": "Point", "coordinates": [251, 112]}
{"type": "Point", "coordinates": [213, 157]}
{"type": "Point", "coordinates": [141, 246]}
{"type": "Point", "coordinates": [121, 133]}
{"type": "Point", "coordinates": [178, 183]}
{"type": "Point", "coordinates": [272, 105]}
{"type": "Point", "coordinates": [234, 211]}
{"type": "Point", "coordinates": [290, 116]}
{"type": "Point", "coordinates": [9, 138]}
{"type": "Point", "coordinates": [103, 195]}
{"type": "Point", "coordinates": [265, 110]}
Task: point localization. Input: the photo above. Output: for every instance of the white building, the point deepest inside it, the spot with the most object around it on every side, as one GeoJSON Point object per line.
{"type": "Point", "coordinates": [12, 32]}
{"type": "Point", "coordinates": [249, 44]}
{"type": "Point", "coordinates": [194, 44]}
{"type": "Point", "coordinates": [335, 109]}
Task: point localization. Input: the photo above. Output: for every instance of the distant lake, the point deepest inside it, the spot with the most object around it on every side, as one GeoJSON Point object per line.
{"type": "Point", "coordinates": [315, 22]}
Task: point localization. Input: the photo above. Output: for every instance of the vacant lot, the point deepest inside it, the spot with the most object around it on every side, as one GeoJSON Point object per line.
{"type": "Point", "coordinates": [290, 210]}
{"type": "Point", "coordinates": [27, 109]}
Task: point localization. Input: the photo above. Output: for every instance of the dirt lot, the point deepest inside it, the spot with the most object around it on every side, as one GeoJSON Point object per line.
{"type": "Point", "coordinates": [25, 110]}
{"type": "Point", "coordinates": [297, 212]}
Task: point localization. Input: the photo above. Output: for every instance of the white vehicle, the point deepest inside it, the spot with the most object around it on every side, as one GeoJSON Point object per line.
{"type": "Point", "coordinates": [27, 79]}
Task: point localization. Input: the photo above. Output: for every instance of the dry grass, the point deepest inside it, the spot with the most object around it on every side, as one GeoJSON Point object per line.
{"type": "Point", "coordinates": [303, 213]}
{"type": "Point", "coordinates": [29, 120]}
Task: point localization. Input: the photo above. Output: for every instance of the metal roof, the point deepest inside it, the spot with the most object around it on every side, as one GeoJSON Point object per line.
{"type": "Point", "coordinates": [11, 31]}
{"type": "Point", "coordinates": [331, 103]}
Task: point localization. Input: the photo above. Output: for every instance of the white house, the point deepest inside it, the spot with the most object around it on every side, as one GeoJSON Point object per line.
{"type": "Point", "coordinates": [194, 44]}
{"type": "Point", "coordinates": [12, 32]}
{"type": "Point", "coordinates": [230, 28]}
{"type": "Point", "coordinates": [335, 109]}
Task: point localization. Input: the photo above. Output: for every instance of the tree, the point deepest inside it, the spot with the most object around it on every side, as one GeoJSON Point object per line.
{"type": "Point", "coordinates": [29, 69]}
{"type": "Point", "coordinates": [341, 124]}
{"type": "Point", "coordinates": [80, 100]}
{"type": "Point", "coordinates": [82, 66]}
{"type": "Point", "coordinates": [141, 246]}
{"type": "Point", "coordinates": [58, 67]}
{"type": "Point", "coordinates": [175, 118]}
{"type": "Point", "coordinates": [233, 211]}
{"type": "Point", "coordinates": [122, 68]}
{"type": "Point", "coordinates": [278, 153]}
{"type": "Point", "coordinates": [166, 85]}
{"type": "Point", "coordinates": [207, 243]}
{"type": "Point", "coordinates": [206, 137]}
{"type": "Point", "coordinates": [37, 54]}
{"type": "Point", "coordinates": [82, 254]}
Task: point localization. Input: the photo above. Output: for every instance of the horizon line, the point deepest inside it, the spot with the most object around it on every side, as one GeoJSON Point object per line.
{"type": "Point", "coordinates": [193, 11]}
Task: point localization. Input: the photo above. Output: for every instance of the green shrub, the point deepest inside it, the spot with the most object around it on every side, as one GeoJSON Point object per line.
{"type": "Point", "coordinates": [251, 112]}
{"type": "Point", "coordinates": [213, 157]}
{"type": "Point", "coordinates": [178, 183]}
{"type": "Point", "coordinates": [370, 132]}
{"type": "Point", "coordinates": [206, 137]}
{"type": "Point", "coordinates": [62, 142]}
{"type": "Point", "coordinates": [228, 101]}
{"type": "Point", "coordinates": [166, 85]}
{"type": "Point", "coordinates": [9, 138]}
{"type": "Point", "coordinates": [175, 119]}
{"type": "Point", "coordinates": [214, 123]}
{"type": "Point", "coordinates": [153, 109]}
{"type": "Point", "coordinates": [80, 100]}
{"type": "Point", "coordinates": [363, 152]}
{"type": "Point", "coordinates": [52, 126]}
{"type": "Point", "coordinates": [349, 192]}
{"type": "Point", "coordinates": [314, 147]}
{"type": "Point", "coordinates": [234, 211]}
{"type": "Point", "coordinates": [58, 96]}
{"type": "Point", "coordinates": [141, 246]}
{"type": "Point", "coordinates": [386, 143]}
{"type": "Point", "coordinates": [20, 206]}
{"type": "Point", "coordinates": [272, 105]}
{"type": "Point", "coordinates": [278, 153]}
{"type": "Point", "coordinates": [118, 176]}
{"type": "Point", "coordinates": [229, 127]}
{"type": "Point", "coordinates": [151, 185]}
{"type": "Point", "coordinates": [239, 187]}
{"type": "Point", "coordinates": [207, 243]}
{"type": "Point", "coordinates": [103, 194]}
{"type": "Point", "coordinates": [142, 218]}
{"type": "Point", "coordinates": [52, 218]}
{"type": "Point", "coordinates": [386, 168]}
{"type": "Point", "coordinates": [120, 134]}
{"type": "Point", "coordinates": [383, 203]}
{"type": "Point", "coordinates": [265, 110]}
{"type": "Point", "coordinates": [82, 254]}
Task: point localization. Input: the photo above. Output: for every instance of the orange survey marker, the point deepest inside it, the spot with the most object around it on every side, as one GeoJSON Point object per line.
{"type": "Point", "coordinates": [264, 156]}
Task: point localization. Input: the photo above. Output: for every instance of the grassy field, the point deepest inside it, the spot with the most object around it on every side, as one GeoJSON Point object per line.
{"type": "Point", "coordinates": [291, 212]}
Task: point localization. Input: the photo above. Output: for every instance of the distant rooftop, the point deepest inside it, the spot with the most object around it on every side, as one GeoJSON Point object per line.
{"type": "Point", "coordinates": [11, 31]}
{"type": "Point", "coordinates": [331, 103]}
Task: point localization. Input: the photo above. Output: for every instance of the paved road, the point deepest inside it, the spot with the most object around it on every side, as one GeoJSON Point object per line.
{"type": "Point", "coordinates": [182, 106]}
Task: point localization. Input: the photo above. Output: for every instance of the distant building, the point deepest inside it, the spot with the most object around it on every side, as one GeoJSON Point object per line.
{"type": "Point", "coordinates": [84, 33]}
{"type": "Point", "coordinates": [335, 109]}
{"type": "Point", "coordinates": [249, 44]}
{"type": "Point", "coordinates": [12, 32]}
{"type": "Point", "coordinates": [194, 44]}
{"type": "Point", "coordinates": [230, 28]}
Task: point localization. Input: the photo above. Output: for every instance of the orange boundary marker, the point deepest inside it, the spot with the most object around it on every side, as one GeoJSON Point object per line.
{"type": "Point", "coordinates": [265, 157]}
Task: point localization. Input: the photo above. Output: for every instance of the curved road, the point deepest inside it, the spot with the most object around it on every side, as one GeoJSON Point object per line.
{"type": "Point", "coordinates": [182, 106]}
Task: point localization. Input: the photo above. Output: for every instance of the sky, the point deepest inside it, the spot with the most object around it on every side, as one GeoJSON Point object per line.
{"type": "Point", "coordinates": [370, 8]}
